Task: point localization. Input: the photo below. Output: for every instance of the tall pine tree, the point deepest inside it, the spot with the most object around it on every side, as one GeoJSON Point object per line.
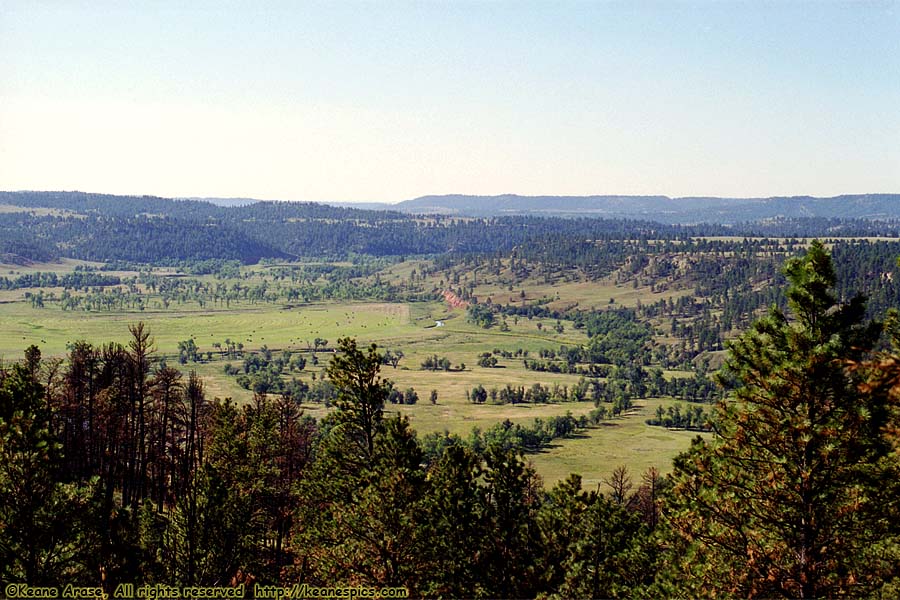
{"type": "Point", "coordinates": [793, 495]}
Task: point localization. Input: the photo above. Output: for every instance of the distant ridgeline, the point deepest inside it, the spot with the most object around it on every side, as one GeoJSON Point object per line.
{"type": "Point", "coordinates": [41, 226]}
{"type": "Point", "coordinates": [662, 208]}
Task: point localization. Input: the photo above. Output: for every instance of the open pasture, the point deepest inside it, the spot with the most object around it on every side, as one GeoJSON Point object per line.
{"type": "Point", "coordinates": [63, 265]}
{"type": "Point", "coordinates": [626, 440]}
{"type": "Point", "coordinates": [593, 453]}
{"type": "Point", "coordinates": [586, 295]}
{"type": "Point", "coordinates": [420, 330]}
{"type": "Point", "coordinates": [274, 326]}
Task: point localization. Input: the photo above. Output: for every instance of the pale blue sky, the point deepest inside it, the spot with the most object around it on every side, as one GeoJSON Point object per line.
{"type": "Point", "coordinates": [390, 100]}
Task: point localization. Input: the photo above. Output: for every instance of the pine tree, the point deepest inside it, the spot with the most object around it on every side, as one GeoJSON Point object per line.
{"type": "Point", "coordinates": [364, 525]}
{"type": "Point", "coordinates": [361, 392]}
{"type": "Point", "coordinates": [792, 497]}
{"type": "Point", "coordinates": [46, 535]}
{"type": "Point", "coordinates": [512, 494]}
{"type": "Point", "coordinates": [205, 541]}
{"type": "Point", "coordinates": [359, 517]}
{"type": "Point", "coordinates": [458, 525]}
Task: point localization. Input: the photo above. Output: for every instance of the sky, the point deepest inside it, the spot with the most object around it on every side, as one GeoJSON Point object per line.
{"type": "Point", "coordinates": [386, 101]}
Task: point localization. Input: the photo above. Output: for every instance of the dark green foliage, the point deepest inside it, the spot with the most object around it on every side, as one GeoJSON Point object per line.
{"type": "Point", "coordinates": [510, 436]}
{"type": "Point", "coordinates": [47, 532]}
{"type": "Point", "coordinates": [616, 336]}
{"type": "Point", "coordinates": [205, 539]}
{"type": "Point", "coordinates": [188, 351]}
{"type": "Point", "coordinates": [512, 493]}
{"type": "Point", "coordinates": [435, 363]}
{"type": "Point", "coordinates": [361, 392]}
{"type": "Point", "coordinates": [481, 315]}
{"type": "Point", "coordinates": [77, 279]}
{"type": "Point", "coordinates": [119, 466]}
{"type": "Point", "coordinates": [457, 516]}
{"type": "Point", "coordinates": [358, 519]}
{"type": "Point", "coordinates": [16, 248]}
{"type": "Point", "coordinates": [486, 360]}
{"type": "Point", "coordinates": [393, 357]}
{"type": "Point", "coordinates": [120, 469]}
{"type": "Point", "coordinates": [362, 522]}
{"type": "Point", "coordinates": [410, 396]}
{"type": "Point", "coordinates": [593, 546]}
{"type": "Point", "coordinates": [106, 228]}
{"type": "Point", "coordinates": [478, 394]}
{"type": "Point", "coordinates": [795, 497]}
{"type": "Point", "coordinates": [679, 417]}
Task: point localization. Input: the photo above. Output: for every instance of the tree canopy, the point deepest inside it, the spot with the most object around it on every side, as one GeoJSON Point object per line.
{"type": "Point", "coordinates": [792, 497]}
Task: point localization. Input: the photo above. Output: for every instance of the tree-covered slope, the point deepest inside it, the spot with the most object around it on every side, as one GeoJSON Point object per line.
{"type": "Point", "coordinates": [663, 208]}
{"type": "Point", "coordinates": [45, 225]}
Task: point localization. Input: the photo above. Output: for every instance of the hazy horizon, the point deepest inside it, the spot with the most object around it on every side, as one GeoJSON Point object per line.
{"type": "Point", "coordinates": [361, 102]}
{"type": "Point", "coordinates": [440, 195]}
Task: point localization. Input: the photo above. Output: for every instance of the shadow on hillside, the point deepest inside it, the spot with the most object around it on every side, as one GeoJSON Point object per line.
{"type": "Point", "coordinates": [556, 444]}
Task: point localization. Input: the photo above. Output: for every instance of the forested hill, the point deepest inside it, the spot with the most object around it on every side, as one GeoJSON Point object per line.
{"type": "Point", "coordinates": [130, 206]}
{"type": "Point", "coordinates": [662, 208]}
{"type": "Point", "coordinates": [40, 226]}
{"type": "Point", "coordinates": [44, 225]}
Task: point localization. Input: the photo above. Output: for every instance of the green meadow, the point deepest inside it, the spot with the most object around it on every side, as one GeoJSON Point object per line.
{"type": "Point", "coordinates": [254, 326]}
{"type": "Point", "coordinates": [419, 330]}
